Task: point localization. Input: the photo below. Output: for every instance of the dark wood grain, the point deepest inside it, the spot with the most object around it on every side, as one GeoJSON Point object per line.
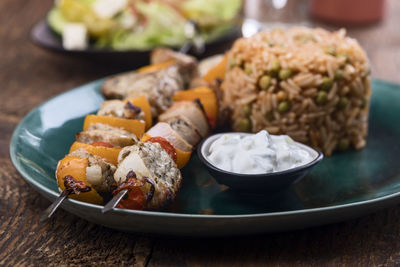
{"type": "Point", "coordinates": [29, 75]}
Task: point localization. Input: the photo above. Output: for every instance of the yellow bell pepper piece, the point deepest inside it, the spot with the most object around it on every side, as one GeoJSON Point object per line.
{"type": "Point", "coordinates": [134, 126]}
{"type": "Point", "coordinates": [207, 98]}
{"type": "Point", "coordinates": [76, 167]}
{"type": "Point", "coordinates": [218, 71]}
{"type": "Point", "coordinates": [156, 67]}
{"type": "Point", "coordinates": [110, 154]}
{"type": "Point", "coordinates": [144, 104]}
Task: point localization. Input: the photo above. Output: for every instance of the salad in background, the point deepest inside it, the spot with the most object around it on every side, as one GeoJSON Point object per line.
{"type": "Point", "coordinates": [139, 24]}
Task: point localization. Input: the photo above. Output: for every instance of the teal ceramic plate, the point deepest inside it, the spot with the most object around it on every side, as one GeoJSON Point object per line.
{"type": "Point", "coordinates": [343, 186]}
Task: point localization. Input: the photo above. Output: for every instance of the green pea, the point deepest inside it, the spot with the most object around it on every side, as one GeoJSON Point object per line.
{"type": "Point", "coordinates": [343, 55]}
{"type": "Point", "coordinates": [338, 74]}
{"type": "Point", "coordinates": [285, 74]}
{"type": "Point", "coordinates": [343, 102]}
{"type": "Point", "coordinates": [232, 63]}
{"type": "Point", "coordinates": [306, 38]}
{"type": "Point", "coordinates": [322, 97]}
{"type": "Point", "coordinates": [283, 107]}
{"type": "Point", "coordinates": [343, 144]}
{"type": "Point", "coordinates": [247, 68]}
{"type": "Point", "coordinates": [275, 67]}
{"type": "Point", "coordinates": [270, 116]}
{"type": "Point", "coordinates": [330, 50]}
{"type": "Point", "coordinates": [270, 43]}
{"type": "Point", "coordinates": [326, 84]}
{"type": "Point", "coordinates": [247, 110]}
{"type": "Point", "coordinates": [244, 125]}
{"type": "Point", "coordinates": [364, 103]}
{"type": "Point", "coordinates": [264, 82]}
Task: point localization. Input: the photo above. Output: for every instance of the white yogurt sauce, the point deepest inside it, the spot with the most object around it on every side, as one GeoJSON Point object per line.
{"type": "Point", "coordinates": [257, 153]}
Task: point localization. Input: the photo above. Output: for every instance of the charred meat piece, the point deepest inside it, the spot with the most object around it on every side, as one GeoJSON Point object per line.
{"type": "Point", "coordinates": [164, 130]}
{"type": "Point", "coordinates": [104, 133]}
{"type": "Point", "coordinates": [188, 63]}
{"type": "Point", "coordinates": [182, 125]}
{"type": "Point", "coordinates": [99, 172]}
{"type": "Point", "coordinates": [120, 109]}
{"type": "Point", "coordinates": [193, 111]}
{"type": "Point", "coordinates": [155, 168]}
{"type": "Point", "coordinates": [158, 86]}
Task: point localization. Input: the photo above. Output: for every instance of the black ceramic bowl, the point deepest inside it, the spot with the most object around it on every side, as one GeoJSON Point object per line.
{"type": "Point", "coordinates": [257, 183]}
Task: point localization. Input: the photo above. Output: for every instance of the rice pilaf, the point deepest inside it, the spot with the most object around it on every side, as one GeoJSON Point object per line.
{"type": "Point", "coordinates": [310, 84]}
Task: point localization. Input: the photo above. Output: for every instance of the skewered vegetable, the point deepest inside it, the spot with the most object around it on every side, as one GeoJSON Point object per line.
{"type": "Point", "coordinates": [133, 126]}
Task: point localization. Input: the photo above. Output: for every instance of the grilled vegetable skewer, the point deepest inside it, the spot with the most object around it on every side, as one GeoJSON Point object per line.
{"type": "Point", "coordinates": [107, 156]}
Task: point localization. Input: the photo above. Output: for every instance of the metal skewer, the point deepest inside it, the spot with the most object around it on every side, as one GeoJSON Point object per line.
{"type": "Point", "coordinates": [114, 201]}
{"type": "Point", "coordinates": [47, 213]}
{"type": "Point", "coordinates": [71, 187]}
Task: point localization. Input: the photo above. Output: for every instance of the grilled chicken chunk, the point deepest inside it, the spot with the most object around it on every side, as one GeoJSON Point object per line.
{"type": "Point", "coordinates": [192, 111]}
{"type": "Point", "coordinates": [102, 132]}
{"type": "Point", "coordinates": [99, 172]}
{"type": "Point", "coordinates": [150, 162]}
{"type": "Point", "coordinates": [165, 130]}
{"type": "Point", "coordinates": [182, 126]}
{"type": "Point", "coordinates": [120, 109]}
{"type": "Point", "coordinates": [158, 86]}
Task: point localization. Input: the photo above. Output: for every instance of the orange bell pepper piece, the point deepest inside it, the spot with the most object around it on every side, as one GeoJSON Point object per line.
{"type": "Point", "coordinates": [110, 154]}
{"type": "Point", "coordinates": [218, 71]}
{"type": "Point", "coordinates": [134, 126]}
{"type": "Point", "coordinates": [144, 104]}
{"type": "Point", "coordinates": [207, 98]}
{"type": "Point", "coordinates": [155, 67]}
{"type": "Point", "coordinates": [182, 157]}
{"type": "Point", "coordinates": [76, 167]}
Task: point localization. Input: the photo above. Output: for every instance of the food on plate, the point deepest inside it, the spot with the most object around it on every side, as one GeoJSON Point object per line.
{"type": "Point", "coordinates": [206, 64]}
{"type": "Point", "coordinates": [132, 108]}
{"type": "Point", "coordinates": [121, 109]}
{"type": "Point", "coordinates": [208, 100]}
{"type": "Point", "coordinates": [193, 111]}
{"type": "Point", "coordinates": [144, 105]}
{"type": "Point", "coordinates": [158, 175]}
{"type": "Point", "coordinates": [182, 157]}
{"type": "Point", "coordinates": [217, 71]}
{"type": "Point", "coordinates": [92, 171]}
{"type": "Point", "coordinates": [165, 130]}
{"type": "Point", "coordinates": [108, 158]}
{"type": "Point", "coordinates": [102, 149]}
{"type": "Point", "coordinates": [99, 132]}
{"type": "Point", "coordinates": [97, 122]}
{"type": "Point", "coordinates": [75, 36]}
{"type": "Point", "coordinates": [257, 153]}
{"type": "Point", "coordinates": [310, 84]}
{"type": "Point", "coordinates": [139, 24]}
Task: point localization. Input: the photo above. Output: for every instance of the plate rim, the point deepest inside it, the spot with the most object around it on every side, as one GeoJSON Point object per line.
{"type": "Point", "coordinates": [54, 194]}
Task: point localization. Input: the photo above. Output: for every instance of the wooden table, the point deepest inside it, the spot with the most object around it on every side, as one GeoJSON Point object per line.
{"type": "Point", "coordinates": [29, 75]}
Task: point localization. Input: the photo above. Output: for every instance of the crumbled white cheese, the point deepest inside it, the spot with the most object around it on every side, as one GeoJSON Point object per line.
{"type": "Point", "coordinates": [75, 36]}
{"type": "Point", "coordinates": [108, 8]}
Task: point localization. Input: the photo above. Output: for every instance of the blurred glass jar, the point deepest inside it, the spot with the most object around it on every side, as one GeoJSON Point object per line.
{"type": "Point", "coordinates": [348, 11]}
{"type": "Point", "coordinates": [263, 14]}
{"type": "Point", "coordinates": [279, 11]}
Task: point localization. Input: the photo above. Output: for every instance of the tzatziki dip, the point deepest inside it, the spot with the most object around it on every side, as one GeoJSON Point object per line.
{"type": "Point", "coordinates": [257, 153]}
